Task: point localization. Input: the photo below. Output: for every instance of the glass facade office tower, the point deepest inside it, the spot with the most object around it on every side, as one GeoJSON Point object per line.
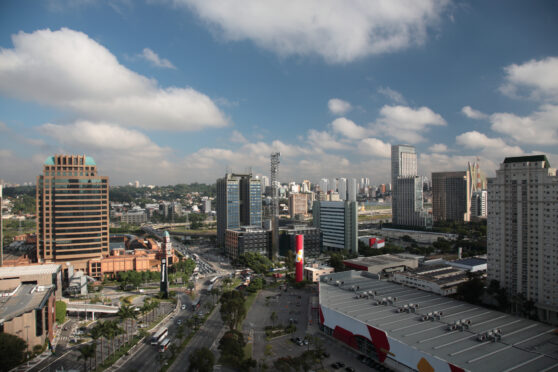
{"type": "Point", "coordinates": [522, 232]}
{"type": "Point", "coordinates": [72, 211]}
{"type": "Point", "coordinates": [239, 203]}
{"type": "Point", "coordinates": [451, 200]}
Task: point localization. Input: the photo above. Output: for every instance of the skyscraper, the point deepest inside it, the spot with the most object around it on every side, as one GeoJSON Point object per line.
{"type": "Point", "coordinates": [351, 189]}
{"type": "Point", "coordinates": [479, 204]}
{"type": "Point", "coordinates": [338, 223]}
{"type": "Point", "coordinates": [239, 203]}
{"type": "Point", "coordinates": [72, 211]}
{"type": "Point", "coordinates": [451, 200]}
{"type": "Point", "coordinates": [522, 231]}
{"type": "Point", "coordinates": [342, 188]}
{"type": "Point", "coordinates": [406, 196]}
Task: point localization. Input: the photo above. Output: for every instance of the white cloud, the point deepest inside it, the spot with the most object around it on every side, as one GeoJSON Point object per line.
{"type": "Point", "coordinates": [100, 136]}
{"type": "Point", "coordinates": [155, 60]}
{"type": "Point", "coordinates": [438, 147]}
{"type": "Point", "coordinates": [349, 129]}
{"type": "Point", "coordinates": [540, 128]}
{"type": "Point", "coordinates": [338, 106]}
{"type": "Point", "coordinates": [238, 137]}
{"type": "Point", "coordinates": [491, 147]}
{"type": "Point", "coordinates": [538, 78]}
{"type": "Point", "coordinates": [405, 123]}
{"type": "Point", "coordinates": [338, 31]}
{"type": "Point", "coordinates": [67, 69]}
{"type": "Point", "coordinates": [374, 147]}
{"type": "Point", "coordinates": [394, 95]}
{"type": "Point", "coordinates": [471, 113]}
{"type": "Point", "coordinates": [324, 141]}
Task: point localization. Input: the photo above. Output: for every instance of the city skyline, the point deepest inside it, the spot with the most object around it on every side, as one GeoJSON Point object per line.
{"type": "Point", "coordinates": [180, 92]}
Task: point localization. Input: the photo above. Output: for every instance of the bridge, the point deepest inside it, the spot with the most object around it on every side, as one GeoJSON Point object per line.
{"type": "Point", "coordinates": [91, 308]}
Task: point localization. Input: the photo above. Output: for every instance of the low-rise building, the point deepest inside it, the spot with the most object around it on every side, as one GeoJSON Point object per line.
{"type": "Point", "coordinates": [247, 239]}
{"type": "Point", "coordinates": [472, 264]}
{"type": "Point", "coordinates": [411, 330]}
{"type": "Point", "coordinates": [43, 275]}
{"type": "Point", "coordinates": [384, 264]}
{"type": "Point", "coordinates": [439, 279]}
{"type": "Point", "coordinates": [134, 217]}
{"type": "Point", "coordinates": [312, 240]}
{"type": "Point", "coordinates": [314, 272]}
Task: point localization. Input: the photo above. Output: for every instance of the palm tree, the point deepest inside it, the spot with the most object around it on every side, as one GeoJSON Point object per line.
{"type": "Point", "coordinates": [87, 352]}
{"type": "Point", "coordinates": [126, 312]}
{"type": "Point", "coordinates": [96, 334]}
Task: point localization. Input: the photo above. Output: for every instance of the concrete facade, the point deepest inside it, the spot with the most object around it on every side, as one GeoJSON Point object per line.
{"type": "Point", "coordinates": [451, 200]}
{"type": "Point", "coordinates": [522, 231]}
{"type": "Point", "coordinates": [338, 223]}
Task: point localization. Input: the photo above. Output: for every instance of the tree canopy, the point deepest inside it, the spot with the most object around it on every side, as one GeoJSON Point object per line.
{"type": "Point", "coordinates": [12, 351]}
{"type": "Point", "coordinates": [201, 360]}
{"type": "Point", "coordinates": [232, 308]}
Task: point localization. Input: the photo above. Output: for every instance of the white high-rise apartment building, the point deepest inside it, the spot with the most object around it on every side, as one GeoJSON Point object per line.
{"type": "Point", "coordinates": [406, 197]}
{"type": "Point", "coordinates": [351, 189]}
{"type": "Point", "coordinates": [323, 184]}
{"type": "Point", "coordinates": [479, 203]}
{"type": "Point", "coordinates": [522, 231]}
{"type": "Point", "coordinates": [342, 188]}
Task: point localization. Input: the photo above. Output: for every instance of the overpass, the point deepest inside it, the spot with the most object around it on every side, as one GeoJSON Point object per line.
{"type": "Point", "coordinates": [91, 308]}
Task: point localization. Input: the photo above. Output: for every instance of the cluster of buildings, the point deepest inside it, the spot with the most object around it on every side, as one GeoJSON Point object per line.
{"type": "Point", "coordinates": [73, 225]}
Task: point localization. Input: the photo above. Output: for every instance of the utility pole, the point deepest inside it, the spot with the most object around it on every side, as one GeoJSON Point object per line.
{"type": "Point", "coordinates": [274, 205]}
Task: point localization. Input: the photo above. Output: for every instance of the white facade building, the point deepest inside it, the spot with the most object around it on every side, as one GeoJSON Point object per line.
{"type": "Point", "coordinates": [479, 203]}
{"type": "Point", "coordinates": [522, 231]}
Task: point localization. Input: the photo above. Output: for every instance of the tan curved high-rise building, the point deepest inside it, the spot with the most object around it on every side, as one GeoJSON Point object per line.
{"type": "Point", "coordinates": [72, 211]}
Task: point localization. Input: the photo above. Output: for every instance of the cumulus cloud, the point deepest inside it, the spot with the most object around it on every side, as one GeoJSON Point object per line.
{"type": "Point", "coordinates": [537, 79]}
{"type": "Point", "coordinates": [491, 147]}
{"type": "Point", "coordinates": [335, 30]}
{"type": "Point", "coordinates": [348, 128]}
{"type": "Point", "coordinates": [105, 136]}
{"type": "Point", "coordinates": [471, 113]}
{"type": "Point", "coordinates": [539, 128]}
{"type": "Point", "coordinates": [238, 137]}
{"type": "Point", "coordinates": [394, 95]}
{"type": "Point", "coordinates": [438, 147]}
{"type": "Point", "coordinates": [67, 69]}
{"type": "Point", "coordinates": [374, 147]}
{"type": "Point", "coordinates": [405, 123]}
{"type": "Point", "coordinates": [338, 106]}
{"type": "Point", "coordinates": [324, 140]}
{"type": "Point", "coordinates": [155, 60]}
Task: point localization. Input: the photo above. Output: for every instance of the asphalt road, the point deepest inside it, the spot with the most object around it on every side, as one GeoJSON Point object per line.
{"type": "Point", "coordinates": [206, 336]}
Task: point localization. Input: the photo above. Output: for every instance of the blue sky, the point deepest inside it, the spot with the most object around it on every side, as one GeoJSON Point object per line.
{"type": "Point", "coordinates": [177, 91]}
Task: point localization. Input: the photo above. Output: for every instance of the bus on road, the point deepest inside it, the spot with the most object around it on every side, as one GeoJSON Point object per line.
{"type": "Point", "coordinates": [159, 336]}
{"type": "Point", "coordinates": [164, 345]}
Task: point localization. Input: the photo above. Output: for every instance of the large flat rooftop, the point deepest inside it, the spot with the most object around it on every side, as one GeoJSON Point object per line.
{"type": "Point", "coordinates": [525, 345]}
{"type": "Point", "coordinates": [17, 271]}
{"type": "Point", "coordinates": [27, 298]}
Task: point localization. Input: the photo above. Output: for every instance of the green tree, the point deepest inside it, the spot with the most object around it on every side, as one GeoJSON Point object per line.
{"type": "Point", "coordinates": [231, 346]}
{"type": "Point", "coordinates": [232, 308]}
{"type": "Point", "coordinates": [86, 352]}
{"type": "Point", "coordinates": [60, 312]}
{"type": "Point", "coordinates": [96, 333]}
{"type": "Point", "coordinates": [124, 313]}
{"type": "Point", "coordinates": [201, 360]}
{"type": "Point", "coordinates": [472, 290]}
{"type": "Point", "coordinates": [290, 261]}
{"type": "Point", "coordinates": [273, 318]}
{"type": "Point", "coordinates": [336, 261]}
{"type": "Point", "coordinates": [12, 351]}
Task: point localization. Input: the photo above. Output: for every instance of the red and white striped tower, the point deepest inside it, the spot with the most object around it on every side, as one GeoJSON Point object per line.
{"type": "Point", "coordinates": [299, 260]}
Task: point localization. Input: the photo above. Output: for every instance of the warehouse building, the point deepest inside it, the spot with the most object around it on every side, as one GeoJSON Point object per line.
{"type": "Point", "coordinates": [406, 328]}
